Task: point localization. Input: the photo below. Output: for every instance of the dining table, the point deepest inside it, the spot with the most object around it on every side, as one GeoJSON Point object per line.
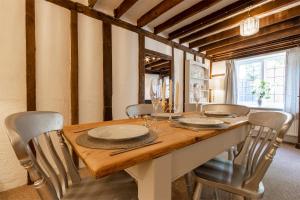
{"type": "Point", "coordinates": [156, 166]}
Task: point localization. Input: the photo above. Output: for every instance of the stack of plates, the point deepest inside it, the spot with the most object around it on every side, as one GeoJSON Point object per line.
{"type": "Point", "coordinates": [200, 122]}
{"type": "Point", "coordinates": [119, 132]}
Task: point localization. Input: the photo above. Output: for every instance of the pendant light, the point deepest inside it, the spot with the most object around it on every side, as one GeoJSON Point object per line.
{"type": "Point", "coordinates": [249, 26]}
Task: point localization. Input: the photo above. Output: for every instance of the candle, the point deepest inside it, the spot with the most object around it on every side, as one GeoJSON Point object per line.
{"type": "Point", "coordinates": [171, 92]}
{"type": "Point", "coordinates": [176, 103]}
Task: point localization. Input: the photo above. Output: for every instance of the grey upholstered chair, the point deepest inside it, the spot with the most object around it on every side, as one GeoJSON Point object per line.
{"type": "Point", "coordinates": [55, 181]}
{"type": "Point", "coordinates": [244, 176]}
{"type": "Point", "coordinates": [138, 110]}
{"type": "Point", "coordinates": [238, 110]}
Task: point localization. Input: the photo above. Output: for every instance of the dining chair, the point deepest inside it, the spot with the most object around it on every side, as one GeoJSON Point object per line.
{"type": "Point", "coordinates": [243, 176]}
{"type": "Point", "coordinates": [59, 180]}
{"type": "Point", "coordinates": [238, 110]}
{"type": "Point", "coordinates": [138, 110]}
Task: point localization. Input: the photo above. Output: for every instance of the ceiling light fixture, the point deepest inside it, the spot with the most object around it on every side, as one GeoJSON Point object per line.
{"type": "Point", "coordinates": [249, 26]}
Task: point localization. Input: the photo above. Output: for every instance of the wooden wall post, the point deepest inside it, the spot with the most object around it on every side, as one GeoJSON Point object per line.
{"type": "Point", "coordinates": [107, 71]}
{"type": "Point", "coordinates": [74, 75]}
{"type": "Point", "coordinates": [141, 68]}
{"type": "Point", "coordinates": [184, 59]}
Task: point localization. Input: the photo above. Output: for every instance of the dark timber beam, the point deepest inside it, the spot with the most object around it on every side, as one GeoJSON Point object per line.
{"type": "Point", "coordinates": [155, 12]}
{"type": "Point", "coordinates": [107, 71]}
{"type": "Point", "coordinates": [92, 3]}
{"type": "Point", "coordinates": [156, 67]}
{"type": "Point", "coordinates": [156, 63]}
{"type": "Point", "coordinates": [123, 7]}
{"type": "Point", "coordinates": [74, 76]}
{"type": "Point", "coordinates": [158, 54]}
{"type": "Point", "coordinates": [85, 10]}
{"type": "Point", "coordinates": [213, 17]}
{"type": "Point", "coordinates": [141, 69]}
{"type": "Point", "coordinates": [263, 22]}
{"type": "Point", "coordinates": [267, 7]}
{"type": "Point", "coordinates": [257, 41]}
{"type": "Point", "coordinates": [197, 8]}
{"type": "Point", "coordinates": [264, 31]}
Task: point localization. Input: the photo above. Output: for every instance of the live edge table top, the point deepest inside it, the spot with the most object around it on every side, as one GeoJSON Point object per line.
{"type": "Point", "coordinates": [101, 163]}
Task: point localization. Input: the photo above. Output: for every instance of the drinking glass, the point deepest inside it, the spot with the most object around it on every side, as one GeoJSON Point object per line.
{"type": "Point", "coordinates": [197, 94]}
{"type": "Point", "coordinates": [155, 93]}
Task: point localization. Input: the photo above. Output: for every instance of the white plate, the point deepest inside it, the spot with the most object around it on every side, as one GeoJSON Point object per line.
{"type": "Point", "coordinates": [201, 121]}
{"type": "Point", "coordinates": [166, 115]}
{"type": "Point", "coordinates": [118, 132]}
{"type": "Point", "coordinates": [217, 113]}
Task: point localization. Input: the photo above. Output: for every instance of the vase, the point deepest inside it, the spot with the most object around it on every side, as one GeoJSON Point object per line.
{"type": "Point", "coordinates": [259, 101]}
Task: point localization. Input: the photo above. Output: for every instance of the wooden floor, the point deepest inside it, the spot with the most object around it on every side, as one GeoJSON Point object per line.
{"type": "Point", "coordinates": [282, 181]}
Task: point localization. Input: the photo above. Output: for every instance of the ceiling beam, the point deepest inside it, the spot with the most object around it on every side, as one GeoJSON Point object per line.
{"type": "Point", "coordinates": [155, 12]}
{"type": "Point", "coordinates": [213, 17]}
{"type": "Point", "coordinates": [92, 3]}
{"type": "Point", "coordinates": [257, 41]}
{"type": "Point", "coordinates": [264, 31]}
{"type": "Point", "coordinates": [157, 63]}
{"type": "Point", "coordinates": [124, 7]}
{"type": "Point", "coordinates": [267, 7]}
{"type": "Point", "coordinates": [263, 22]}
{"type": "Point", "coordinates": [197, 8]}
{"type": "Point", "coordinates": [158, 67]}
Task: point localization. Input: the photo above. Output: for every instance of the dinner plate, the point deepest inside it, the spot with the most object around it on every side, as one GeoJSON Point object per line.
{"type": "Point", "coordinates": [166, 115]}
{"type": "Point", "coordinates": [217, 113]}
{"type": "Point", "coordinates": [201, 121]}
{"type": "Point", "coordinates": [119, 132]}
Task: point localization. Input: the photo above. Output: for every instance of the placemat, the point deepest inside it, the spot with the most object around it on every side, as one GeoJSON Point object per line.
{"type": "Point", "coordinates": [93, 143]}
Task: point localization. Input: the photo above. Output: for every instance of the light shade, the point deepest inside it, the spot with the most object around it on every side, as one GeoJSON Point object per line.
{"type": "Point", "coordinates": [249, 26]}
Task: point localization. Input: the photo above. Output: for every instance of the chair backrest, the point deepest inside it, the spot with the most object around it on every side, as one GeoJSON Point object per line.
{"type": "Point", "coordinates": [266, 132]}
{"type": "Point", "coordinates": [28, 127]}
{"type": "Point", "coordinates": [238, 110]}
{"type": "Point", "coordinates": [138, 110]}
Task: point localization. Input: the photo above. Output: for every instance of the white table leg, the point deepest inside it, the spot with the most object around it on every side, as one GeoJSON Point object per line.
{"type": "Point", "coordinates": [154, 178]}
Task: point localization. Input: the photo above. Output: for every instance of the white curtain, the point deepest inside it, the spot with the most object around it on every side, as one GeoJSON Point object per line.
{"type": "Point", "coordinates": [230, 83]}
{"type": "Point", "coordinates": [292, 79]}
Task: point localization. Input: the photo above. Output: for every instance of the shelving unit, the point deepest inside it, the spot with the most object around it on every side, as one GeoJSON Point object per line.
{"type": "Point", "coordinates": [196, 72]}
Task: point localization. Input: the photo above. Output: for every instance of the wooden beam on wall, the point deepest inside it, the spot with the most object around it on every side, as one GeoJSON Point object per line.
{"type": "Point", "coordinates": [30, 55]}
{"type": "Point", "coordinates": [107, 71]}
{"type": "Point", "coordinates": [155, 12]}
{"type": "Point", "coordinates": [184, 66]}
{"type": "Point", "coordinates": [264, 31]}
{"type": "Point", "coordinates": [85, 10]}
{"type": "Point", "coordinates": [272, 5]}
{"type": "Point", "coordinates": [213, 17]}
{"type": "Point", "coordinates": [123, 7]}
{"type": "Point", "coordinates": [257, 41]}
{"type": "Point", "coordinates": [92, 3]}
{"type": "Point", "coordinates": [141, 69]}
{"type": "Point", "coordinates": [197, 8]}
{"type": "Point", "coordinates": [158, 54]}
{"type": "Point", "coordinates": [263, 22]}
{"type": "Point", "coordinates": [74, 76]}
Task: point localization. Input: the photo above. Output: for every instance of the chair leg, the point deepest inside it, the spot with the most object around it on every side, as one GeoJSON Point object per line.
{"type": "Point", "coordinates": [216, 194]}
{"type": "Point", "coordinates": [189, 184]}
{"type": "Point", "coordinates": [197, 192]}
{"type": "Point", "coordinates": [230, 153]}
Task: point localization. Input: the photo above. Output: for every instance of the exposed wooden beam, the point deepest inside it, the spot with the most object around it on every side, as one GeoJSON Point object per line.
{"type": "Point", "coordinates": [107, 71]}
{"type": "Point", "coordinates": [264, 31]}
{"type": "Point", "coordinates": [123, 7]}
{"type": "Point", "coordinates": [141, 69]}
{"type": "Point", "coordinates": [157, 67]}
{"type": "Point", "coordinates": [213, 17]}
{"type": "Point", "coordinates": [156, 63]}
{"type": "Point", "coordinates": [272, 5]}
{"type": "Point", "coordinates": [85, 10]}
{"type": "Point", "coordinates": [158, 54]}
{"type": "Point", "coordinates": [197, 8]}
{"type": "Point", "coordinates": [263, 22]}
{"type": "Point", "coordinates": [30, 63]}
{"type": "Point", "coordinates": [92, 3]}
{"type": "Point", "coordinates": [158, 10]}
{"type": "Point", "coordinates": [257, 41]}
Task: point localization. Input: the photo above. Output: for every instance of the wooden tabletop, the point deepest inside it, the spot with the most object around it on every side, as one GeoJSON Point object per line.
{"type": "Point", "coordinates": [101, 163]}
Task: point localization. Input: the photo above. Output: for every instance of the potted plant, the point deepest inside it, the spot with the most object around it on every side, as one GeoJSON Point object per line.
{"type": "Point", "coordinates": [262, 91]}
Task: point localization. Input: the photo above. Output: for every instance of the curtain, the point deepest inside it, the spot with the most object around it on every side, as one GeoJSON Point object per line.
{"type": "Point", "coordinates": [230, 83]}
{"type": "Point", "coordinates": [292, 79]}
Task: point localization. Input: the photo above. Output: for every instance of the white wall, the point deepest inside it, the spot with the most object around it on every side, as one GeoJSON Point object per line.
{"type": "Point", "coordinates": [158, 46]}
{"type": "Point", "coordinates": [178, 74]}
{"type": "Point", "coordinates": [12, 85]}
{"type": "Point", "coordinates": [125, 70]}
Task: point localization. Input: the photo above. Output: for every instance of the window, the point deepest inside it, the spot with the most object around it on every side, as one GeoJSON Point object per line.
{"type": "Point", "coordinates": [253, 72]}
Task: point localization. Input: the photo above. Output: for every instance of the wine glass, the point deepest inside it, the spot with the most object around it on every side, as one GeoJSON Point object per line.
{"type": "Point", "coordinates": [155, 93]}
{"type": "Point", "coordinates": [197, 94]}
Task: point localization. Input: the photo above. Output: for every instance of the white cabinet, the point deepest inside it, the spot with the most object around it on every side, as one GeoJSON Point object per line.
{"type": "Point", "coordinates": [196, 72]}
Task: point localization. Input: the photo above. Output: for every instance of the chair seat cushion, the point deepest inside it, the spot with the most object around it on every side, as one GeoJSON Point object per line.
{"type": "Point", "coordinates": [118, 186]}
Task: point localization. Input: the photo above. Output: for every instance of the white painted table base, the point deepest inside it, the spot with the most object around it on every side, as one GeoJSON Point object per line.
{"type": "Point", "coordinates": [155, 177]}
